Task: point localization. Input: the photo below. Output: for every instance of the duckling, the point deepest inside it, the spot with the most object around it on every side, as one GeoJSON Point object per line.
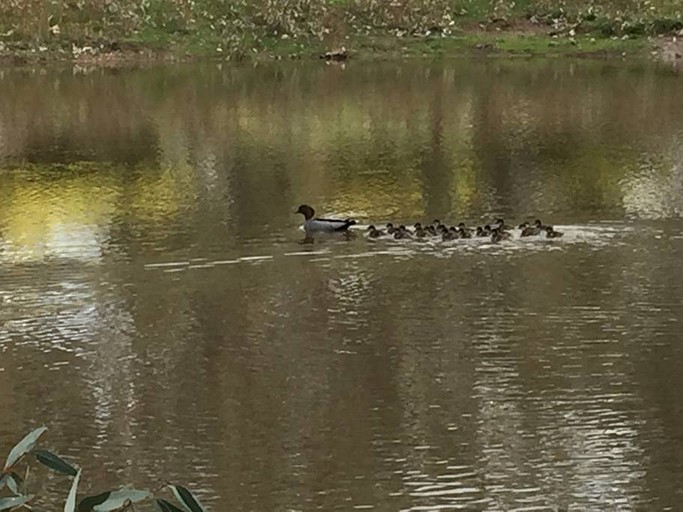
{"type": "Point", "coordinates": [464, 231]}
{"type": "Point", "coordinates": [419, 232]}
{"type": "Point", "coordinates": [538, 224]}
{"type": "Point", "coordinates": [402, 233]}
{"type": "Point", "coordinates": [373, 232]}
{"type": "Point", "coordinates": [431, 230]}
{"type": "Point", "coordinates": [390, 228]}
{"type": "Point", "coordinates": [450, 234]}
{"type": "Point", "coordinates": [523, 225]}
{"type": "Point", "coordinates": [436, 223]}
{"type": "Point", "coordinates": [551, 233]}
{"type": "Point", "coordinates": [417, 226]}
{"type": "Point", "coordinates": [530, 231]}
{"type": "Point", "coordinates": [499, 223]}
{"type": "Point", "coordinates": [498, 235]}
{"type": "Point", "coordinates": [483, 231]}
{"type": "Point", "coordinates": [441, 229]}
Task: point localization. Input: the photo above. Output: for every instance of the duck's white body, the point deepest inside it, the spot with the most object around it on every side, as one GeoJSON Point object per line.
{"type": "Point", "coordinates": [312, 225]}
{"type": "Point", "coordinates": [325, 225]}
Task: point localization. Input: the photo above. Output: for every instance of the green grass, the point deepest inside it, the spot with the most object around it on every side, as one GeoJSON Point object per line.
{"type": "Point", "coordinates": [255, 28]}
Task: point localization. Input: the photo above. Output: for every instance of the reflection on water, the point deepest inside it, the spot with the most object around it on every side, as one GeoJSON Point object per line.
{"type": "Point", "coordinates": [160, 314]}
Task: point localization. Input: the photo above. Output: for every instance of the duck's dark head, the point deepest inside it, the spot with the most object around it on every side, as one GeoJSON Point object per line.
{"type": "Point", "coordinates": [436, 223]}
{"type": "Point", "coordinates": [418, 225]}
{"type": "Point", "coordinates": [461, 225]}
{"type": "Point", "coordinates": [306, 211]}
{"type": "Point", "coordinates": [538, 223]}
{"type": "Point", "coordinates": [524, 225]}
{"type": "Point", "coordinates": [371, 228]}
{"type": "Point", "coordinates": [549, 229]}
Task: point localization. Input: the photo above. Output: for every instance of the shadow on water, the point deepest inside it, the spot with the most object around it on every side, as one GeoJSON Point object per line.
{"type": "Point", "coordinates": [159, 304]}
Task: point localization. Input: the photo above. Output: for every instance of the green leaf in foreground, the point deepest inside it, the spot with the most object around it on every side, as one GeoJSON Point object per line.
{"type": "Point", "coordinates": [188, 500]}
{"type": "Point", "coordinates": [13, 502]}
{"type": "Point", "coordinates": [70, 505]}
{"type": "Point", "coordinates": [87, 504]}
{"type": "Point", "coordinates": [118, 499]}
{"type": "Point", "coordinates": [165, 506]}
{"type": "Point", "coordinates": [55, 462]}
{"type": "Point", "coordinates": [3, 481]}
{"type": "Point", "coordinates": [23, 447]}
{"type": "Point", "coordinates": [13, 484]}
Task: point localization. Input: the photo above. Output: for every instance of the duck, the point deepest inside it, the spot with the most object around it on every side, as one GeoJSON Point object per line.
{"type": "Point", "coordinates": [390, 228]}
{"type": "Point", "coordinates": [373, 232]}
{"type": "Point", "coordinates": [523, 225]}
{"type": "Point", "coordinates": [533, 230]}
{"type": "Point", "coordinates": [430, 230]}
{"type": "Point", "coordinates": [312, 224]}
{"type": "Point", "coordinates": [464, 231]}
{"type": "Point", "coordinates": [419, 232]}
{"type": "Point", "coordinates": [483, 231]}
{"type": "Point", "coordinates": [450, 234]}
{"type": "Point", "coordinates": [551, 233]}
{"type": "Point", "coordinates": [499, 224]}
{"type": "Point", "coordinates": [402, 233]}
{"type": "Point", "coordinates": [498, 235]}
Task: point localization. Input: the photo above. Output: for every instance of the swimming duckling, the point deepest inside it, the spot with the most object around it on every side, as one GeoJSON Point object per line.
{"type": "Point", "coordinates": [419, 232]}
{"type": "Point", "coordinates": [483, 231]}
{"type": "Point", "coordinates": [417, 225]}
{"type": "Point", "coordinates": [500, 224]}
{"type": "Point", "coordinates": [402, 233]}
{"type": "Point", "coordinates": [450, 234]}
{"type": "Point", "coordinates": [523, 225]}
{"type": "Point", "coordinates": [531, 231]}
{"type": "Point", "coordinates": [551, 233]}
{"type": "Point", "coordinates": [498, 235]}
{"type": "Point", "coordinates": [464, 231]}
{"type": "Point", "coordinates": [436, 223]}
{"type": "Point", "coordinates": [431, 230]}
{"type": "Point", "coordinates": [373, 232]}
{"type": "Point", "coordinates": [441, 229]}
{"type": "Point", "coordinates": [390, 228]}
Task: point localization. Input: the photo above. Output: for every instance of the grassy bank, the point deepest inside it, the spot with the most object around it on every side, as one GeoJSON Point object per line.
{"type": "Point", "coordinates": [237, 29]}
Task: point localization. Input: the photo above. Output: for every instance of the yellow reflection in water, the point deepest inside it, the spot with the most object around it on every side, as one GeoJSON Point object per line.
{"type": "Point", "coordinates": [66, 217]}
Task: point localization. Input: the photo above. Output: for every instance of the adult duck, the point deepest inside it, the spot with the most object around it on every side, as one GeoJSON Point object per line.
{"type": "Point", "coordinates": [313, 225]}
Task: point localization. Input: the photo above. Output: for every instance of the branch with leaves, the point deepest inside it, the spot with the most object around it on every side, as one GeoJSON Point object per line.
{"type": "Point", "coordinates": [109, 501]}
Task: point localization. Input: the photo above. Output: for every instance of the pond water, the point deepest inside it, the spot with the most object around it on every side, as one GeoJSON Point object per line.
{"type": "Point", "coordinates": [159, 313]}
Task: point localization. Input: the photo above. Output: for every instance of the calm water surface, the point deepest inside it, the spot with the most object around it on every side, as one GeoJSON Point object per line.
{"type": "Point", "coordinates": [159, 313]}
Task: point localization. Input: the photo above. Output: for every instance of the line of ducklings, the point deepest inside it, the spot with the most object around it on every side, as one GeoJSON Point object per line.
{"type": "Point", "coordinates": [498, 231]}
